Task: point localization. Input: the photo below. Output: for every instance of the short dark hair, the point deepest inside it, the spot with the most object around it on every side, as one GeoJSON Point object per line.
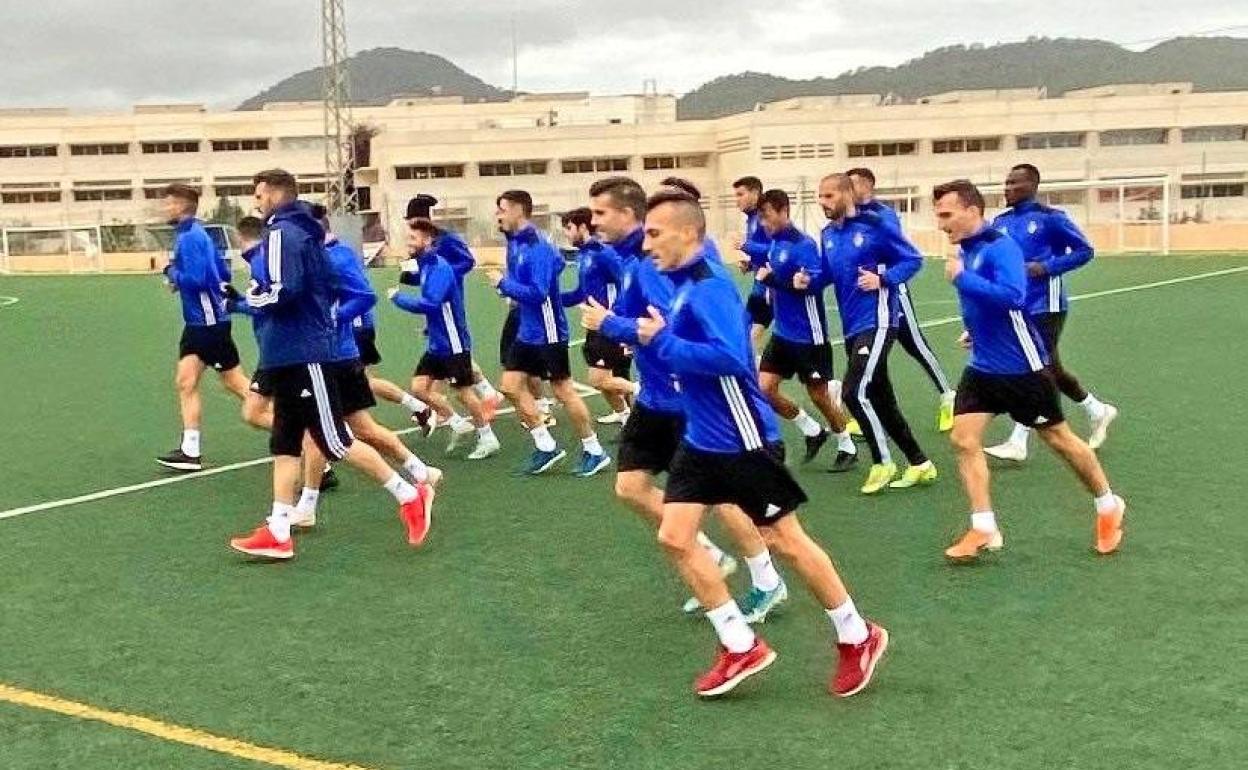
{"type": "Point", "coordinates": [624, 193]}
{"type": "Point", "coordinates": [682, 199]}
{"type": "Point", "coordinates": [250, 228]}
{"type": "Point", "coordinates": [776, 200]}
{"type": "Point", "coordinates": [864, 172]}
{"type": "Point", "coordinates": [1031, 171]}
{"type": "Point", "coordinates": [279, 178]}
{"type": "Point", "coordinates": [577, 217]}
{"type": "Point", "coordinates": [319, 212]}
{"type": "Point", "coordinates": [968, 194]}
{"type": "Point", "coordinates": [749, 183]}
{"type": "Point", "coordinates": [518, 197]}
{"type": "Point", "coordinates": [423, 225]}
{"type": "Point", "coordinates": [183, 192]}
{"type": "Point", "coordinates": [680, 183]}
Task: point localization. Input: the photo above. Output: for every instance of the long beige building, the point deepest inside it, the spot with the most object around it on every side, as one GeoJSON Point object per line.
{"type": "Point", "coordinates": [1116, 157]}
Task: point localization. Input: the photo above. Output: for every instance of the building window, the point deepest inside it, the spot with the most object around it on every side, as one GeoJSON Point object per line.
{"type": "Point", "coordinates": [160, 148]}
{"type": "Point", "coordinates": [111, 148]}
{"type": "Point", "coordinates": [512, 168]}
{"type": "Point", "coordinates": [443, 171]}
{"type": "Point", "coordinates": [103, 195]}
{"type": "Point", "coordinates": [665, 162]}
{"type": "Point", "coordinates": [41, 196]}
{"type": "Point", "coordinates": [1051, 141]}
{"type": "Point", "coordinates": [312, 188]}
{"type": "Point", "coordinates": [240, 145]}
{"type": "Point", "coordinates": [976, 144]}
{"type": "Point", "coordinates": [1235, 190]}
{"type": "Point", "coordinates": [796, 151]}
{"type": "Point", "coordinates": [1129, 136]}
{"type": "Point", "coordinates": [233, 190]}
{"type": "Point", "coordinates": [591, 165]}
{"type": "Point", "coordinates": [1064, 197]}
{"type": "Point", "coordinates": [1216, 134]}
{"type": "Point", "coordinates": [882, 149]}
{"type": "Point", "coordinates": [28, 151]}
{"type": "Point", "coordinates": [155, 188]}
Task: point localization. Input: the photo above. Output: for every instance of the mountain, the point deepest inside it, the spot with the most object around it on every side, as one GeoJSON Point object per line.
{"type": "Point", "coordinates": [378, 75]}
{"type": "Point", "coordinates": [1210, 63]}
{"type": "Point", "coordinates": [1060, 65]}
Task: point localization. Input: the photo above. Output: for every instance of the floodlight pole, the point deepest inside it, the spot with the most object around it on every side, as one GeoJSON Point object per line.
{"type": "Point", "coordinates": [340, 195]}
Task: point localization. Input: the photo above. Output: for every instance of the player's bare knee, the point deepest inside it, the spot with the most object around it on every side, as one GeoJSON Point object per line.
{"type": "Point", "coordinates": [965, 440]}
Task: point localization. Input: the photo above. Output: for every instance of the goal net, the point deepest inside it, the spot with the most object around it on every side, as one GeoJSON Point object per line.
{"type": "Point", "coordinates": [70, 249]}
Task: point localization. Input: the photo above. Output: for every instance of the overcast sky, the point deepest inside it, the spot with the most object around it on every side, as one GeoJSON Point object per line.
{"type": "Point", "coordinates": [114, 53]}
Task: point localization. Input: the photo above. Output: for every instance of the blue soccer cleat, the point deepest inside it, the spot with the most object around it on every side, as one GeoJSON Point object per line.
{"type": "Point", "coordinates": [757, 603]}
{"type": "Point", "coordinates": [591, 464]}
{"type": "Point", "coordinates": [540, 462]}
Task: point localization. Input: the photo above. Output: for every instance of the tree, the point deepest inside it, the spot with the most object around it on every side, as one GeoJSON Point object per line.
{"type": "Point", "coordinates": [227, 212]}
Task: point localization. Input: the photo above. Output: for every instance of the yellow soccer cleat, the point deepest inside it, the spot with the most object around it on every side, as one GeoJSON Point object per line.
{"type": "Point", "coordinates": [853, 428]}
{"type": "Point", "coordinates": [944, 418]}
{"type": "Point", "coordinates": [916, 475]}
{"type": "Point", "coordinates": [879, 477]}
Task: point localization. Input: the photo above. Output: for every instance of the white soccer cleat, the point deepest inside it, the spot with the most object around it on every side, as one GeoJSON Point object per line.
{"type": "Point", "coordinates": [1008, 450]}
{"type": "Point", "coordinates": [486, 447]}
{"type": "Point", "coordinates": [1100, 427]}
{"type": "Point", "coordinates": [302, 519]}
{"type": "Point", "coordinates": [457, 435]}
{"type": "Point", "coordinates": [433, 476]}
{"type": "Point", "coordinates": [615, 418]}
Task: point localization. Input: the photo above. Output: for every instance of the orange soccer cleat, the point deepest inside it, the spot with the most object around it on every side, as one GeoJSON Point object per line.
{"type": "Point", "coordinates": [1109, 528]}
{"type": "Point", "coordinates": [972, 543]}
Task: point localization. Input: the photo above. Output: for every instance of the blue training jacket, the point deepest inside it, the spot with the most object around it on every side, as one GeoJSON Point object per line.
{"type": "Point", "coordinates": [757, 244]}
{"type": "Point", "coordinates": [883, 211]}
{"type": "Point", "coordinates": [338, 252]}
{"type": "Point", "coordinates": [864, 241]}
{"type": "Point", "coordinates": [1047, 236]}
{"type": "Point", "coordinates": [599, 271]}
{"type": "Point", "coordinates": [353, 297]}
{"type": "Point", "coordinates": [196, 272]}
{"type": "Point", "coordinates": [296, 298]}
{"type": "Point", "coordinates": [799, 313]}
{"type": "Point", "coordinates": [708, 349]}
{"type": "Point", "coordinates": [532, 280]}
{"type": "Point", "coordinates": [441, 301]}
{"type": "Point", "coordinates": [992, 290]}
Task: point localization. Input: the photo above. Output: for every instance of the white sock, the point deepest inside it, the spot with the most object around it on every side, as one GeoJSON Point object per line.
{"type": "Point", "coordinates": [190, 443]}
{"type": "Point", "coordinates": [413, 404]}
{"type": "Point", "coordinates": [845, 443]}
{"type": "Point", "coordinates": [984, 521]}
{"type": "Point", "coordinates": [484, 389]}
{"type": "Point", "coordinates": [763, 575]}
{"type": "Point", "coordinates": [307, 500]}
{"type": "Point", "coordinates": [1019, 435]}
{"type": "Point", "coordinates": [416, 468]}
{"type": "Point", "coordinates": [591, 444]}
{"type": "Point", "coordinates": [486, 433]}
{"type": "Point", "coordinates": [717, 553]}
{"type": "Point", "coordinates": [734, 633]}
{"type": "Point", "coordinates": [850, 627]}
{"type": "Point", "coordinates": [1094, 407]}
{"type": "Point", "coordinates": [948, 396]}
{"type": "Point", "coordinates": [542, 439]}
{"type": "Point", "coordinates": [1107, 503]}
{"type": "Point", "coordinates": [279, 521]}
{"type": "Point", "coordinates": [402, 491]}
{"type": "Point", "coordinates": [806, 424]}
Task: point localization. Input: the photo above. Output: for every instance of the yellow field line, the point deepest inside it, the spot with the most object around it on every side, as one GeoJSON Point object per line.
{"type": "Point", "coordinates": [168, 732]}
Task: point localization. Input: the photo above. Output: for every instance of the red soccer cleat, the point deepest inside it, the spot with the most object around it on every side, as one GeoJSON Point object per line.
{"type": "Point", "coordinates": [858, 662]}
{"type": "Point", "coordinates": [262, 543]}
{"type": "Point", "coordinates": [418, 514]}
{"type": "Point", "coordinates": [732, 668]}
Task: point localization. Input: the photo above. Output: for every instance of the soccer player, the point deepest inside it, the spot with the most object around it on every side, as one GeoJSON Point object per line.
{"type": "Point", "coordinates": [297, 340]}
{"type": "Point", "coordinates": [448, 357]}
{"type": "Point", "coordinates": [754, 245]}
{"type": "Point", "coordinates": [258, 403]}
{"type": "Point", "coordinates": [799, 345]}
{"type": "Point", "coordinates": [909, 330]}
{"type": "Point", "coordinates": [196, 274]}
{"type": "Point", "coordinates": [1007, 371]}
{"type": "Point", "coordinates": [1052, 246]}
{"type": "Point", "coordinates": [729, 453]}
{"type": "Point", "coordinates": [865, 261]}
{"type": "Point", "coordinates": [541, 346]}
{"type": "Point", "coordinates": [599, 270]}
{"type": "Point", "coordinates": [652, 434]}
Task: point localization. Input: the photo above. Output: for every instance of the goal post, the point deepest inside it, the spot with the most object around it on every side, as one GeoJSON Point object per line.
{"type": "Point", "coordinates": [62, 249]}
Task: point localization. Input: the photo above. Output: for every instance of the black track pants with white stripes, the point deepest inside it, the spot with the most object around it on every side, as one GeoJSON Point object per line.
{"type": "Point", "coordinates": [910, 335]}
{"type": "Point", "coordinates": [869, 395]}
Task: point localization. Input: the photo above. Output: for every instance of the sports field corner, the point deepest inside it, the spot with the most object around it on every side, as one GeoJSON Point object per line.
{"type": "Point", "coordinates": [540, 627]}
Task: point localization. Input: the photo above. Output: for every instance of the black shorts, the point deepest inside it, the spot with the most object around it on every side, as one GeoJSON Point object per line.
{"type": "Point", "coordinates": [455, 368]}
{"type": "Point", "coordinates": [511, 327]}
{"type": "Point", "coordinates": [758, 308]}
{"type": "Point", "coordinates": [809, 363]}
{"type": "Point", "coordinates": [366, 341]}
{"type": "Point", "coordinates": [758, 482]}
{"type": "Point", "coordinates": [550, 362]}
{"type": "Point", "coordinates": [602, 353]}
{"type": "Point", "coordinates": [1031, 399]}
{"type": "Point", "coordinates": [211, 344]}
{"type": "Point", "coordinates": [305, 398]}
{"type": "Point", "coordinates": [354, 392]}
{"type": "Point", "coordinates": [262, 383]}
{"type": "Point", "coordinates": [649, 440]}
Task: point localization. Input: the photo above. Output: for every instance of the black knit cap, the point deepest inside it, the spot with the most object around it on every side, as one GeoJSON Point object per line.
{"type": "Point", "coordinates": [421, 206]}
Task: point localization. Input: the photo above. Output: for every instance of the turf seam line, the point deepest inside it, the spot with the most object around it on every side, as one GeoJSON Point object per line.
{"type": "Point", "coordinates": [166, 731]}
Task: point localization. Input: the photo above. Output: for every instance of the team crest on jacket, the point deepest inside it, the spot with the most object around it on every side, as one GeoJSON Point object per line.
{"type": "Point", "coordinates": [1032, 227]}
{"type": "Point", "coordinates": [859, 240]}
